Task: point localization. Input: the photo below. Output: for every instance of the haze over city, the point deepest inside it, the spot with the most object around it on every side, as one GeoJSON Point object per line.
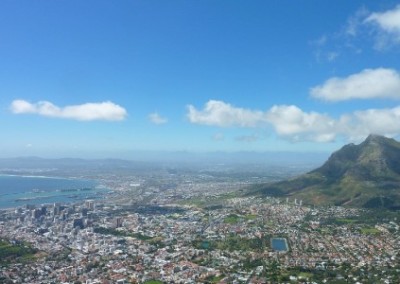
{"type": "Point", "coordinates": [113, 78]}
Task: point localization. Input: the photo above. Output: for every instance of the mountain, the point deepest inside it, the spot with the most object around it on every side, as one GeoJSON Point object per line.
{"type": "Point", "coordinates": [364, 175]}
{"type": "Point", "coordinates": [72, 166]}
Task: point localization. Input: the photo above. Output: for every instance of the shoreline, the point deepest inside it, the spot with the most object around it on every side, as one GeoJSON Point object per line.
{"type": "Point", "coordinates": [40, 177]}
{"type": "Point", "coordinates": [21, 190]}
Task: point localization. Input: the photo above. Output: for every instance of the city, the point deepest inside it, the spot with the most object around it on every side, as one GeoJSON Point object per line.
{"type": "Point", "coordinates": [198, 236]}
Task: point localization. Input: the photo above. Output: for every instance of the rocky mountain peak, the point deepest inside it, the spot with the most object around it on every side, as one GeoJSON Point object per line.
{"type": "Point", "coordinates": [367, 174]}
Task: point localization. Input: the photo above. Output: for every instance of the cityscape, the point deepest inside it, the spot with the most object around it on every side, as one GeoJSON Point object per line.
{"type": "Point", "coordinates": [199, 231]}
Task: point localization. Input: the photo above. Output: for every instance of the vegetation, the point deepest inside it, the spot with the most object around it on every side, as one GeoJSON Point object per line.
{"type": "Point", "coordinates": [232, 219]}
{"type": "Point", "coordinates": [233, 242]}
{"type": "Point", "coordinates": [214, 278]}
{"type": "Point", "coordinates": [210, 202]}
{"type": "Point", "coordinates": [153, 282]}
{"type": "Point", "coordinates": [340, 221]}
{"type": "Point", "coordinates": [369, 218]}
{"type": "Point", "coordinates": [250, 217]}
{"type": "Point", "coordinates": [365, 175]}
{"type": "Point", "coordinates": [10, 251]}
{"type": "Point", "coordinates": [369, 231]}
{"type": "Point", "coordinates": [110, 231]}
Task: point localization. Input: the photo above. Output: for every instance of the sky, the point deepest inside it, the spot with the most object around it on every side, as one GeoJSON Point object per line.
{"type": "Point", "coordinates": [102, 78]}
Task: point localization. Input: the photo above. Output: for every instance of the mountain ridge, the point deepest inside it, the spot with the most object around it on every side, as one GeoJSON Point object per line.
{"type": "Point", "coordinates": [363, 175]}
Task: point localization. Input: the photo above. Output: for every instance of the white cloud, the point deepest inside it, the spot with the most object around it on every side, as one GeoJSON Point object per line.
{"type": "Point", "coordinates": [292, 123]}
{"type": "Point", "coordinates": [378, 121]}
{"type": "Point", "coordinates": [21, 106]}
{"type": "Point", "coordinates": [388, 27]}
{"type": "Point", "coordinates": [156, 118]}
{"type": "Point", "coordinates": [218, 113]}
{"type": "Point", "coordinates": [368, 84]}
{"type": "Point", "coordinates": [295, 125]}
{"type": "Point", "coordinates": [288, 121]}
{"type": "Point", "coordinates": [85, 112]}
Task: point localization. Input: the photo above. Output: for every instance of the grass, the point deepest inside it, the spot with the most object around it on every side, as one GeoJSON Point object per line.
{"type": "Point", "coordinates": [325, 231]}
{"type": "Point", "coordinates": [305, 275]}
{"type": "Point", "coordinates": [232, 219]}
{"type": "Point", "coordinates": [345, 220]}
{"type": "Point", "coordinates": [216, 279]}
{"type": "Point", "coordinates": [250, 217]}
{"type": "Point", "coordinates": [369, 231]}
{"type": "Point", "coordinates": [153, 282]}
{"type": "Point", "coordinates": [198, 202]}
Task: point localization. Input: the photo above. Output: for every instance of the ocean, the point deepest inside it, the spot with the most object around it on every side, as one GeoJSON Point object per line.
{"type": "Point", "coordinates": [18, 191]}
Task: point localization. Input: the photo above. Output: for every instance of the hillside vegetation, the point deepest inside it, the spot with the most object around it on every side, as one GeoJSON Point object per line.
{"type": "Point", "coordinates": [364, 175]}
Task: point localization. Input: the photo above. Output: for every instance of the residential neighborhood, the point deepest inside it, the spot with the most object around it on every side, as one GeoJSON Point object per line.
{"type": "Point", "coordinates": [174, 241]}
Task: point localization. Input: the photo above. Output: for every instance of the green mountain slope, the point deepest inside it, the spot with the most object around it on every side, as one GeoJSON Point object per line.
{"type": "Point", "coordinates": [366, 175]}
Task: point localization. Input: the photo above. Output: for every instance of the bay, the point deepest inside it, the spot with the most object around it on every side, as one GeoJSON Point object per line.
{"type": "Point", "coordinates": [21, 190]}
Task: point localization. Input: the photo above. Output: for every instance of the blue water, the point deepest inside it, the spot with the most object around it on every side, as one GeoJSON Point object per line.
{"type": "Point", "coordinates": [279, 244]}
{"type": "Point", "coordinates": [18, 191]}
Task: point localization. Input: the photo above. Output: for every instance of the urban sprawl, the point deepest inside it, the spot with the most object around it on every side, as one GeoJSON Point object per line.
{"type": "Point", "coordinates": [205, 234]}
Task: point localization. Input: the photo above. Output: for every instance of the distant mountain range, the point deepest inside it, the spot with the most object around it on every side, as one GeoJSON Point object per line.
{"type": "Point", "coordinates": [250, 166]}
{"type": "Point", "coordinates": [261, 164]}
{"type": "Point", "coordinates": [71, 166]}
{"type": "Point", "coordinates": [364, 175]}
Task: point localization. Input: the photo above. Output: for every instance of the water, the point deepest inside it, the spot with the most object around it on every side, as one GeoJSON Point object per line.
{"type": "Point", "coordinates": [18, 190]}
{"type": "Point", "coordinates": [279, 244]}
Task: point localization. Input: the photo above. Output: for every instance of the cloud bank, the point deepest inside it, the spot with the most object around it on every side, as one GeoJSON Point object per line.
{"type": "Point", "coordinates": [368, 84]}
{"type": "Point", "coordinates": [107, 111]}
{"type": "Point", "coordinates": [218, 113]}
{"type": "Point", "coordinates": [292, 123]}
{"type": "Point", "coordinates": [379, 121]}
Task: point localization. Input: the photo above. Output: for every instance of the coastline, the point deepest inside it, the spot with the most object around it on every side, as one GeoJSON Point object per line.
{"type": "Point", "coordinates": [20, 190]}
{"type": "Point", "coordinates": [37, 176]}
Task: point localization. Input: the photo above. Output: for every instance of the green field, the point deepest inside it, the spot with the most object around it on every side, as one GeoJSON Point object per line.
{"type": "Point", "coordinates": [250, 217]}
{"type": "Point", "coordinates": [345, 221]}
{"type": "Point", "coordinates": [153, 282]}
{"type": "Point", "coordinates": [369, 231]}
{"type": "Point", "coordinates": [305, 275]}
{"type": "Point", "coordinates": [232, 219]}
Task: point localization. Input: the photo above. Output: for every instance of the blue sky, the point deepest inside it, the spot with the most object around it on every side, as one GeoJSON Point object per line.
{"type": "Point", "coordinates": [108, 78]}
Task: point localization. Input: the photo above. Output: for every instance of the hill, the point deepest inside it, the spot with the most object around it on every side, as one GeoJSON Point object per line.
{"type": "Point", "coordinates": [364, 175]}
